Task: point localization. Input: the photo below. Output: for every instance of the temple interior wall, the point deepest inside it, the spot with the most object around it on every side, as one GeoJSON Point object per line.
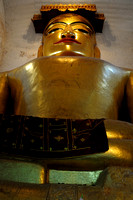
{"type": "Point", "coordinates": [2, 29]}
{"type": "Point", "coordinates": [21, 42]}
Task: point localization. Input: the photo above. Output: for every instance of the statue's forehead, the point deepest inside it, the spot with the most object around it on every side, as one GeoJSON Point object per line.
{"type": "Point", "coordinates": [69, 19]}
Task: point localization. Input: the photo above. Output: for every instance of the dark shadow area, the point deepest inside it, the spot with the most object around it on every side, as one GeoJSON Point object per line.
{"type": "Point", "coordinates": [107, 36]}
{"type": "Point", "coordinates": [30, 36]}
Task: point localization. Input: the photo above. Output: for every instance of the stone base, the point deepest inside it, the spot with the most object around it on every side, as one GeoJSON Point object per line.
{"type": "Point", "coordinates": [114, 183]}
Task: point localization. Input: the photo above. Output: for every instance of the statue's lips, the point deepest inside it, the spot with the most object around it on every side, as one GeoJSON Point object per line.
{"type": "Point", "coordinates": [67, 40]}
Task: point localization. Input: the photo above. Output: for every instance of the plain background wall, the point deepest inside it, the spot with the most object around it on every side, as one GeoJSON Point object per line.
{"type": "Point", "coordinates": [115, 43]}
{"type": "Point", "coordinates": [2, 29]}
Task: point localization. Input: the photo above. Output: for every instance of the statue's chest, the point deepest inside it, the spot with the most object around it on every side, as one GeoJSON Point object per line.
{"type": "Point", "coordinates": [71, 90]}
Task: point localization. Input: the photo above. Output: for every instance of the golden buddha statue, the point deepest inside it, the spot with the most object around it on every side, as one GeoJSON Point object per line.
{"type": "Point", "coordinates": [69, 81]}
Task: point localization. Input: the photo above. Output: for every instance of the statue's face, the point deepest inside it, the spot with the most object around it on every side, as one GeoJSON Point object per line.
{"type": "Point", "coordinates": [69, 34]}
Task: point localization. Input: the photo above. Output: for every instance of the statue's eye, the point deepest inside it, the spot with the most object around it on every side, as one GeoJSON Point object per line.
{"type": "Point", "coordinates": [53, 30]}
{"type": "Point", "coordinates": [82, 30]}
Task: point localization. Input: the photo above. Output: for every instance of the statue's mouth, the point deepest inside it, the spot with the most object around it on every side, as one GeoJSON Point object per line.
{"type": "Point", "coordinates": [67, 40]}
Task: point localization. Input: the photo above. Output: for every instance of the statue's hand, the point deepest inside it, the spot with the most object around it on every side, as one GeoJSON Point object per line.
{"type": "Point", "coordinates": [118, 129]}
{"type": "Point", "coordinates": [120, 139]}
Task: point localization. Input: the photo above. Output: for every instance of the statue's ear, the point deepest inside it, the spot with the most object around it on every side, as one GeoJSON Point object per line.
{"type": "Point", "coordinates": [97, 53]}
{"type": "Point", "coordinates": [40, 51]}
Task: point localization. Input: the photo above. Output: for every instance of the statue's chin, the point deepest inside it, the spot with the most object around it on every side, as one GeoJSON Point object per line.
{"type": "Point", "coordinates": [69, 53]}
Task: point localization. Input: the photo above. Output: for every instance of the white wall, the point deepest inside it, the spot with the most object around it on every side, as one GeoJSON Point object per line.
{"type": "Point", "coordinates": [115, 43]}
{"type": "Point", "coordinates": [2, 29]}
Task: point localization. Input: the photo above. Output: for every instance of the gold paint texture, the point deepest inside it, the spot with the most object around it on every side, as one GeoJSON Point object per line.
{"type": "Point", "coordinates": [42, 176]}
{"type": "Point", "coordinates": [70, 7]}
{"type": "Point", "coordinates": [64, 35]}
{"type": "Point", "coordinates": [130, 95]}
{"type": "Point", "coordinates": [69, 82]}
{"type": "Point", "coordinates": [60, 87]}
{"type": "Point", "coordinates": [4, 92]}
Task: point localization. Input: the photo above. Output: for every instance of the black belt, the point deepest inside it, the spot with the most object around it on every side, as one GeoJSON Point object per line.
{"type": "Point", "coordinates": [48, 138]}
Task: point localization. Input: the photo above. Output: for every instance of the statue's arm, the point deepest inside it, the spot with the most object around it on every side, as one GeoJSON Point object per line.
{"type": "Point", "coordinates": [117, 129]}
{"type": "Point", "coordinates": [4, 92]}
{"type": "Point", "coordinates": [129, 92]}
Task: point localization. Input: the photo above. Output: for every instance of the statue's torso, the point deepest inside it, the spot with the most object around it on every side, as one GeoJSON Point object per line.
{"type": "Point", "coordinates": [68, 87]}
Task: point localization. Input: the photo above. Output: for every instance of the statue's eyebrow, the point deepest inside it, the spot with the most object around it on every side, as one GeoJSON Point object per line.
{"type": "Point", "coordinates": [73, 23]}
{"type": "Point", "coordinates": [55, 23]}
{"type": "Point", "coordinates": [79, 22]}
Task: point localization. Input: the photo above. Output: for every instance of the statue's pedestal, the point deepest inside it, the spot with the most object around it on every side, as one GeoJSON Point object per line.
{"type": "Point", "coordinates": [23, 180]}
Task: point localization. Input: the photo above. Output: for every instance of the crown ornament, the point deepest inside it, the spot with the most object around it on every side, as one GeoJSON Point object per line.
{"type": "Point", "coordinates": [87, 11]}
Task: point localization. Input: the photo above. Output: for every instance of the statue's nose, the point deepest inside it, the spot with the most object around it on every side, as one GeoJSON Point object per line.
{"type": "Point", "coordinates": [68, 33]}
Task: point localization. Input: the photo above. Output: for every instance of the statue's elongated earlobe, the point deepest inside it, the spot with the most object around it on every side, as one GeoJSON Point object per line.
{"type": "Point", "coordinates": [97, 53]}
{"type": "Point", "coordinates": [40, 51]}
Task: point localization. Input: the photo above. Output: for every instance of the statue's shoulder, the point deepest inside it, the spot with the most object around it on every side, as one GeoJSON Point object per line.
{"type": "Point", "coordinates": [49, 62]}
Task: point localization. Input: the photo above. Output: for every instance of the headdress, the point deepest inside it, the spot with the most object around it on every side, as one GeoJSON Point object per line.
{"type": "Point", "coordinates": [48, 12]}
